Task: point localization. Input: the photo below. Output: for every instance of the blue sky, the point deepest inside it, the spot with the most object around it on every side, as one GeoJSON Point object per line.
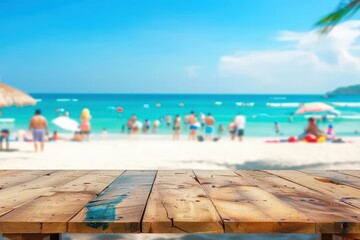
{"type": "Point", "coordinates": [170, 46]}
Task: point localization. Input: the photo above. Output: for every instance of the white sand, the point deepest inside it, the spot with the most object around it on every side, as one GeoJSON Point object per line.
{"type": "Point", "coordinates": [162, 153]}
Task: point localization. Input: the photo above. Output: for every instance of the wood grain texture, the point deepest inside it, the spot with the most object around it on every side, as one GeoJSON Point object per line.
{"type": "Point", "coordinates": [18, 177]}
{"type": "Point", "coordinates": [355, 173]}
{"type": "Point", "coordinates": [245, 208]}
{"type": "Point", "coordinates": [329, 214]}
{"type": "Point", "coordinates": [179, 204]}
{"type": "Point", "coordinates": [42, 202]}
{"type": "Point", "coordinates": [119, 208]}
{"type": "Point", "coordinates": [335, 177]}
{"type": "Point", "coordinates": [46, 214]}
{"type": "Point", "coordinates": [93, 182]}
{"type": "Point", "coordinates": [15, 196]}
{"type": "Point", "coordinates": [342, 193]}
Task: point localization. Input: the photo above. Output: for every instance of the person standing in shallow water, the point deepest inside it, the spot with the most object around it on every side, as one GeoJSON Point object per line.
{"type": "Point", "coordinates": [193, 123]}
{"type": "Point", "coordinates": [39, 127]}
{"type": "Point", "coordinates": [176, 127]}
{"type": "Point", "coordinates": [209, 126]}
{"type": "Point", "coordinates": [240, 122]}
{"type": "Point", "coordinates": [85, 126]}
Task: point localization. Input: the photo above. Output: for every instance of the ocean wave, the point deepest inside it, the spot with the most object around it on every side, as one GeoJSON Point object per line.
{"type": "Point", "coordinates": [354, 117]}
{"type": "Point", "coordinates": [278, 98]}
{"type": "Point", "coordinates": [7, 120]}
{"type": "Point", "coordinates": [63, 100]}
{"type": "Point", "coordinates": [67, 99]}
{"type": "Point", "coordinates": [38, 100]}
{"type": "Point", "coordinates": [346, 104]}
{"type": "Point", "coordinates": [245, 104]}
{"type": "Point", "coordinates": [218, 103]}
{"type": "Point", "coordinates": [284, 105]}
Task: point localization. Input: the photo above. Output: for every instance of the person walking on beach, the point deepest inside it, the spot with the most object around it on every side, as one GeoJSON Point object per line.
{"type": "Point", "coordinates": [240, 122]}
{"type": "Point", "coordinates": [220, 130]}
{"type": "Point", "coordinates": [130, 123]}
{"type": "Point", "coordinates": [193, 123]}
{"type": "Point", "coordinates": [209, 126]}
{"type": "Point", "coordinates": [232, 130]}
{"type": "Point", "coordinates": [176, 127]}
{"type": "Point", "coordinates": [168, 121]}
{"type": "Point", "coordinates": [85, 126]}
{"type": "Point", "coordinates": [277, 128]}
{"type": "Point", "coordinates": [39, 127]}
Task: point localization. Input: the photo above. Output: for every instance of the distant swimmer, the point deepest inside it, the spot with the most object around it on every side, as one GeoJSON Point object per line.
{"type": "Point", "coordinates": [39, 127]}
{"type": "Point", "coordinates": [168, 121]}
{"type": "Point", "coordinates": [156, 126]}
{"type": "Point", "coordinates": [146, 127]}
{"type": "Point", "coordinates": [277, 128]}
{"type": "Point", "coordinates": [291, 118]}
{"type": "Point", "coordinates": [220, 130]}
{"type": "Point", "coordinates": [176, 127]}
{"type": "Point", "coordinates": [202, 120]}
{"type": "Point", "coordinates": [209, 126]}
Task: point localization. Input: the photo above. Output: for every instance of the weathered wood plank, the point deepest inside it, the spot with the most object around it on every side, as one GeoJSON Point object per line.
{"type": "Point", "coordinates": [32, 236]}
{"type": "Point", "coordinates": [119, 208]}
{"type": "Point", "coordinates": [355, 173]}
{"type": "Point", "coordinates": [346, 237]}
{"type": "Point", "coordinates": [178, 204]}
{"type": "Point", "coordinates": [93, 182]}
{"type": "Point", "coordinates": [18, 177]}
{"type": "Point", "coordinates": [13, 197]}
{"type": "Point", "coordinates": [245, 208]}
{"type": "Point", "coordinates": [8, 172]}
{"type": "Point", "coordinates": [335, 177]}
{"type": "Point", "coordinates": [343, 193]}
{"type": "Point", "coordinates": [329, 215]}
{"type": "Point", "coordinates": [46, 214]}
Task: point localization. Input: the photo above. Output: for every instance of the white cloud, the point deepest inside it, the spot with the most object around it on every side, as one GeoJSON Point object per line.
{"type": "Point", "coordinates": [307, 63]}
{"type": "Point", "coordinates": [192, 70]}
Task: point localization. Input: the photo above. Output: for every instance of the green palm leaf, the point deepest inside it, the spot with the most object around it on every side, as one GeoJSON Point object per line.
{"type": "Point", "coordinates": [345, 10]}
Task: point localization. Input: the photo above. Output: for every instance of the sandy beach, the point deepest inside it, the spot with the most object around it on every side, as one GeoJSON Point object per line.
{"type": "Point", "coordinates": [160, 152]}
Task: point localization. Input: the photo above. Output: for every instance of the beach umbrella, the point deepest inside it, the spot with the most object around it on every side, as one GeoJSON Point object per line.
{"type": "Point", "coordinates": [315, 107]}
{"type": "Point", "coordinates": [66, 123]}
{"type": "Point", "coordinates": [10, 96]}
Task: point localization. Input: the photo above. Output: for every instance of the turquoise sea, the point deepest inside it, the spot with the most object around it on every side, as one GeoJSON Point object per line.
{"type": "Point", "coordinates": [261, 110]}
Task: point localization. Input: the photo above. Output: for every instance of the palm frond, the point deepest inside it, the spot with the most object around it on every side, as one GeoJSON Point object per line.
{"type": "Point", "coordinates": [345, 10]}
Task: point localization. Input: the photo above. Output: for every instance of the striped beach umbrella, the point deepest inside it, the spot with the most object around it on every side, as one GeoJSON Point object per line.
{"type": "Point", "coordinates": [315, 107]}
{"type": "Point", "coordinates": [10, 96]}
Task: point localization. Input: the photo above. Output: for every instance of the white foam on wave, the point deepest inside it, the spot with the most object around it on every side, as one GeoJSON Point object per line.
{"type": "Point", "coordinates": [346, 104]}
{"type": "Point", "coordinates": [7, 120]}
{"type": "Point", "coordinates": [355, 117]}
{"type": "Point", "coordinates": [63, 100]}
{"type": "Point", "coordinates": [245, 104]}
{"type": "Point", "coordinates": [67, 99]}
{"type": "Point", "coordinates": [284, 105]}
{"type": "Point", "coordinates": [278, 98]}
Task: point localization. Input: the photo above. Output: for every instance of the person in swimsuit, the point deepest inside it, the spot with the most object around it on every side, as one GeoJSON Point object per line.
{"type": "Point", "coordinates": [177, 127]}
{"type": "Point", "coordinates": [168, 121]}
{"type": "Point", "coordinates": [192, 121]}
{"type": "Point", "coordinates": [209, 126]}
{"type": "Point", "coordinates": [232, 130]}
{"type": "Point", "coordinates": [39, 128]}
{"type": "Point", "coordinates": [4, 136]}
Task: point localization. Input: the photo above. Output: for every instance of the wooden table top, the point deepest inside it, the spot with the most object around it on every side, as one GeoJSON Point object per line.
{"type": "Point", "coordinates": [184, 201]}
